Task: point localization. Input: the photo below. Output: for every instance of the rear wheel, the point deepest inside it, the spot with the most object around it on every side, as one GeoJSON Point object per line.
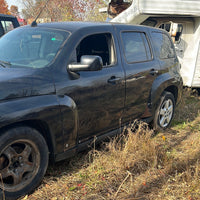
{"type": "Point", "coordinates": [23, 161]}
{"type": "Point", "coordinates": [165, 111]}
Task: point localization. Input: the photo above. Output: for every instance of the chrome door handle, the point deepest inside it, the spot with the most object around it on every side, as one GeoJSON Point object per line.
{"type": "Point", "coordinates": [113, 80]}
{"type": "Point", "coordinates": [153, 72]}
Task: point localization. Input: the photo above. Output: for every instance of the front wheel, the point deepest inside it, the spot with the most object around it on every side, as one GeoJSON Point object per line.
{"type": "Point", "coordinates": [23, 161]}
{"type": "Point", "coordinates": [164, 112]}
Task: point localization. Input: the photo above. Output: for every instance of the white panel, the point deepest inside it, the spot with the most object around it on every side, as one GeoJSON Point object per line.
{"type": "Point", "coordinates": [162, 7]}
{"type": "Point", "coordinates": [196, 79]}
{"type": "Point", "coordinates": [176, 7]}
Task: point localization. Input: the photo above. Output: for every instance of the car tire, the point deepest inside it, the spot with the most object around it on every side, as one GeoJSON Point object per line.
{"type": "Point", "coordinates": [164, 112]}
{"type": "Point", "coordinates": [23, 161]}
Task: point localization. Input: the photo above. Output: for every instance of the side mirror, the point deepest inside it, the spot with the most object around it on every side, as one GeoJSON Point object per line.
{"type": "Point", "coordinates": [88, 63]}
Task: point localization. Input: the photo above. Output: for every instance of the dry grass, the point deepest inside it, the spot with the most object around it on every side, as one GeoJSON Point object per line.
{"type": "Point", "coordinates": [135, 165]}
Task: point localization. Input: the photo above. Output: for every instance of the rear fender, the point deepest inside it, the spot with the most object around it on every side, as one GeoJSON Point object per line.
{"type": "Point", "coordinates": [160, 84]}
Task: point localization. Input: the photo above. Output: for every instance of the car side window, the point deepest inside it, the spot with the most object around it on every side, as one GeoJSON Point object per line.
{"type": "Point", "coordinates": [97, 44]}
{"type": "Point", "coordinates": [7, 26]}
{"type": "Point", "coordinates": [1, 30]}
{"type": "Point", "coordinates": [136, 47]}
{"type": "Point", "coordinates": [163, 44]}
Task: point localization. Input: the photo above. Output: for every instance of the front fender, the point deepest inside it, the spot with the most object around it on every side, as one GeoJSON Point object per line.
{"type": "Point", "coordinates": [70, 121]}
{"type": "Point", "coordinates": [44, 108]}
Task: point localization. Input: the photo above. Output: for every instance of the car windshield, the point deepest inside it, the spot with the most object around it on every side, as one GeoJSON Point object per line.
{"type": "Point", "coordinates": [31, 47]}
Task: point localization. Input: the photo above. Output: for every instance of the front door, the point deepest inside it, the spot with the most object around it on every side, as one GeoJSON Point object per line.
{"type": "Point", "coordinates": [98, 95]}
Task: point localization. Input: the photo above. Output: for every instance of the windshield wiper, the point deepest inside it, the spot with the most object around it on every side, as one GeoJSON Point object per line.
{"type": "Point", "coordinates": [4, 63]}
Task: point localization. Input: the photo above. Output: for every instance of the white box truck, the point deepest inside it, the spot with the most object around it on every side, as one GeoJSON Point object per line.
{"type": "Point", "coordinates": [181, 18]}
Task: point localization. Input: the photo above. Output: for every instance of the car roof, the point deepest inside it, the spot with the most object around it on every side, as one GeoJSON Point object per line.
{"type": "Point", "coordinates": [7, 16]}
{"type": "Point", "coordinates": [74, 26]}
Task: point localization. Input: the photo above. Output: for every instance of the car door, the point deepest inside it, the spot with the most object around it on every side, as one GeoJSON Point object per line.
{"type": "Point", "coordinates": [141, 70]}
{"type": "Point", "coordinates": [97, 95]}
{"type": "Point", "coordinates": [7, 24]}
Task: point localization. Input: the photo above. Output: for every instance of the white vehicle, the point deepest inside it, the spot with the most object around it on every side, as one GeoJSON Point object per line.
{"type": "Point", "coordinates": [181, 18]}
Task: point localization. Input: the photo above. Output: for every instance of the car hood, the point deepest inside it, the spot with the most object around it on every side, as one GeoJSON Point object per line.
{"type": "Point", "coordinates": [20, 82]}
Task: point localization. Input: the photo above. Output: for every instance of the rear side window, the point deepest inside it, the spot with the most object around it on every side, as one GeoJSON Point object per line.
{"type": "Point", "coordinates": [136, 47]}
{"type": "Point", "coordinates": [163, 44]}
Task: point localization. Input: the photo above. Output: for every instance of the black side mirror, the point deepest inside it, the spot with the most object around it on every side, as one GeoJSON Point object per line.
{"type": "Point", "coordinates": [88, 63]}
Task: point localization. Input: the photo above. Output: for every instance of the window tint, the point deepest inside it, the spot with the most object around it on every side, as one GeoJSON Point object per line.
{"type": "Point", "coordinates": [98, 44]}
{"type": "Point", "coordinates": [136, 47]}
{"type": "Point", "coordinates": [163, 44]}
{"type": "Point", "coordinates": [166, 27]}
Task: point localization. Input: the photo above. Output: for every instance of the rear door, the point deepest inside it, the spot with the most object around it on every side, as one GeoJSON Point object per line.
{"type": "Point", "coordinates": [141, 70]}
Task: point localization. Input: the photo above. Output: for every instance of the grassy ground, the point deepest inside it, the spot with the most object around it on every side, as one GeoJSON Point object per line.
{"type": "Point", "coordinates": [135, 166]}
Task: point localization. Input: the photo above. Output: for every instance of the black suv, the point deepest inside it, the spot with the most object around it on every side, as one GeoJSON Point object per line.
{"type": "Point", "coordinates": [7, 23]}
{"type": "Point", "coordinates": [62, 84]}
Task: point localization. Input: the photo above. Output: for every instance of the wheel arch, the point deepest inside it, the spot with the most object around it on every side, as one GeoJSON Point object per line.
{"type": "Point", "coordinates": [174, 90]}
{"type": "Point", "coordinates": [155, 99]}
{"type": "Point", "coordinates": [161, 84]}
{"type": "Point", "coordinates": [38, 125]}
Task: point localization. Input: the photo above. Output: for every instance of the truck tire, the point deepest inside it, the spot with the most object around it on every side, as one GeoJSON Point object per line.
{"type": "Point", "coordinates": [164, 112]}
{"type": "Point", "coordinates": [23, 161]}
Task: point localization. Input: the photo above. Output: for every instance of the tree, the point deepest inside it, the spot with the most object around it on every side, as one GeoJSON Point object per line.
{"type": "Point", "coordinates": [55, 10]}
{"type": "Point", "coordinates": [4, 7]}
{"type": "Point", "coordinates": [86, 10]}
{"type": "Point", "coordinates": [62, 10]}
{"type": "Point", "coordinates": [14, 10]}
{"type": "Point", "coordinates": [29, 10]}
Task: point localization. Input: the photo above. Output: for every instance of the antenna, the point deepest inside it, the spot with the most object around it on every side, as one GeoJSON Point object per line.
{"type": "Point", "coordinates": [34, 23]}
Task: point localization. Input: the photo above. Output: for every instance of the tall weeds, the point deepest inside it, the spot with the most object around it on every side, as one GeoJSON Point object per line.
{"type": "Point", "coordinates": [135, 165]}
{"type": "Point", "coordinates": [114, 167]}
